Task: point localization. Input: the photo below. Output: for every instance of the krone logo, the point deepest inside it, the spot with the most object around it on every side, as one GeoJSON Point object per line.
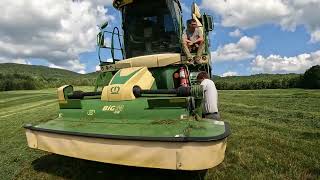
{"type": "Point", "coordinates": [115, 90]}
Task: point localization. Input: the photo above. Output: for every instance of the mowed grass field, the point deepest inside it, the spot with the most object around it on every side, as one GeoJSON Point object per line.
{"type": "Point", "coordinates": [275, 135]}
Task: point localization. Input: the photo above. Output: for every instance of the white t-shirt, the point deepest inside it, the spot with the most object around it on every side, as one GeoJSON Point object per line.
{"type": "Point", "coordinates": [210, 96]}
{"type": "Point", "coordinates": [192, 36]}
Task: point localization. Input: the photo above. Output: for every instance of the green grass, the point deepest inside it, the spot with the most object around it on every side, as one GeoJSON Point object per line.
{"type": "Point", "coordinates": [275, 135]}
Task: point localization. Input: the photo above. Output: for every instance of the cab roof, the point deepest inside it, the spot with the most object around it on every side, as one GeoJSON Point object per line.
{"type": "Point", "coordinates": [118, 4]}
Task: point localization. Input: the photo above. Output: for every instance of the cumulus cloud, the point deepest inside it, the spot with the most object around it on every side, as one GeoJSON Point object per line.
{"type": "Point", "coordinates": [75, 64]}
{"type": "Point", "coordinates": [17, 61]}
{"type": "Point", "coordinates": [241, 50]}
{"type": "Point", "coordinates": [235, 33]}
{"type": "Point", "coordinates": [229, 73]}
{"type": "Point", "coordinates": [57, 31]}
{"type": "Point", "coordinates": [185, 8]}
{"type": "Point", "coordinates": [287, 13]}
{"type": "Point", "coordinates": [315, 36]}
{"type": "Point", "coordinates": [101, 3]}
{"type": "Point", "coordinates": [98, 68]}
{"type": "Point", "coordinates": [278, 64]}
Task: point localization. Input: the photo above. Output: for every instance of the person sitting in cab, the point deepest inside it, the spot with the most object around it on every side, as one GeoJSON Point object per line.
{"type": "Point", "coordinates": [193, 41]}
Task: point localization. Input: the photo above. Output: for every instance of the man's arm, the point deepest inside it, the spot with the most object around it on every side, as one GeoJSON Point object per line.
{"type": "Point", "coordinates": [188, 41]}
{"type": "Point", "coordinates": [185, 38]}
{"type": "Point", "coordinates": [200, 39]}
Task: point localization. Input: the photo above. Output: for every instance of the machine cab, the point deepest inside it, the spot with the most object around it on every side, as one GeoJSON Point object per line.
{"type": "Point", "coordinates": [152, 37]}
{"type": "Point", "coordinates": [151, 27]}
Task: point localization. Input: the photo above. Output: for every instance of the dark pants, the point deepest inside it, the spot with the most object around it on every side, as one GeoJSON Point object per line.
{"type": "Point", "coordinates": [214, 116]}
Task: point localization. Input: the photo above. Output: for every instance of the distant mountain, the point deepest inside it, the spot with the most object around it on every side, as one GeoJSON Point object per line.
{"type": "Point", "coordinates": [20, 76]}
{"type": "Point", "coordinates": [34, 70]}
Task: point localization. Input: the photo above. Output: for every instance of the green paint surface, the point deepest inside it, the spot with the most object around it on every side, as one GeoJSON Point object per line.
{"type": "Point", "coordinates": [137, 128]}
{"type": "Point", "coordinates": [117, 79]}
{"type": "Point", "coordinates": [164, 76]}
{"type": "Point", "coordinates": [132, 118]}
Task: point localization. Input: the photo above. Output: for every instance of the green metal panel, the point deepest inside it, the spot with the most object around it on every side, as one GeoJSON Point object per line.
{"type": "Point", "coordinates": [71, 104]}
{"type": "Point", "coordinates": [117, 79]}
{"type": "Point", "coordinates": [164, 77]}
{"type": "Point", "coordinates": [132, 118]}
{"type": "Point", "coordinates": [172, 102]}
{"type": "Point", "coordinates": [103, 80]}
{"type": "Point", "coordinates": [138, 128]}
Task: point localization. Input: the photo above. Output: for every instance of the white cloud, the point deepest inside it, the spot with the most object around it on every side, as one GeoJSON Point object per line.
{"type": "Point", "coordinates": [287, 13]}
{"type": "Point", "coordinates": [278, 64]}
{"type": "Point", "coordinates": [185, 8]}
{"type": "Point", "coordinates": [102, 2]}
{"type": "Point", "coordinates": [98, 68]}
{"type": "Point", "coordinates": [55, 66]}
{"type": "Point", "coordinates": [229, 73]}
{"type": "Point", "coordinates": [57, 31]}
{"type": "Point", "coordinates": [241, 50]}
{"type": "Point", "coordinates": [17, 61]}
{"type": "Point", "coordinates": [315, 36]}
{"type": "Point", "coordinates": [247, 13]}
{"type": "Point", "coordinates": [236, 33]}
{"type": "Point", "coordinates": [73, 65]}
{"type": "Point", "coordinates": [82, 72]}
{"type": "Point", "coordinates": [109, 60]}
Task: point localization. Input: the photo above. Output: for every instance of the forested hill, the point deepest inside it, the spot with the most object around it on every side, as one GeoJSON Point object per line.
{"type": "Point", "coordinates": [20, 76]}
{"type": "Point", "coordinates": [39, 71]}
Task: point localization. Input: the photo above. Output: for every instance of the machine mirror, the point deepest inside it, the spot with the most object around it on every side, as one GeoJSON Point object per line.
{"type": "Point", "coordinates": [104, 25]}
{"type": "Point", "coordinates": [208, 23]}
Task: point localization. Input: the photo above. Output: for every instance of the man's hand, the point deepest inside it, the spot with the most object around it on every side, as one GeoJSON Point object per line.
{"type": "Point", "coordinates": [190, 43]}
{"type": "Point", "coordinates": [199, 40]}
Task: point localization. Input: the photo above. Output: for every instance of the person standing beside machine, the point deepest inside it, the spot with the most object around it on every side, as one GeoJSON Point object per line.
{"type": "Point", "coordinates": [210, 97]}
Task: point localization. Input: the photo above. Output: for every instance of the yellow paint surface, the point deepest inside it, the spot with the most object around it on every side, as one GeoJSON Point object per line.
{"type": "Point", "coordinates": [152, 154]}
{"type": "Point", "coordinates": [123, 92]}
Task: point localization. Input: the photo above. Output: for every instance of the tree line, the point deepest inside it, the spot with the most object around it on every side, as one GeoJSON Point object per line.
{"type": "Point", "coordinates": [310, 79]}
{"type": "Point", "coordinates": [263, 81]}
{"type": "Point", "coordinates": [18, 81]}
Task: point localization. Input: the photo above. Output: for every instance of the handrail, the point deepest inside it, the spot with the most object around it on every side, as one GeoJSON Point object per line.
{"type": "Point", "coordinates": [112, 43]}
{"type": "Point", "coordinates": [112, 48]}
{"type": "Point", "coordinates": [110, 32]}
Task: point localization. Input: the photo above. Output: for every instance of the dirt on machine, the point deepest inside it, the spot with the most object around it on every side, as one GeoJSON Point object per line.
{"type": "Point", "coordinates": [146, 107]}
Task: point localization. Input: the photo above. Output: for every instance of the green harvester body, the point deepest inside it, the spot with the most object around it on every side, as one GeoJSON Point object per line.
{"type": "Point", "coordinates": [140, 113]}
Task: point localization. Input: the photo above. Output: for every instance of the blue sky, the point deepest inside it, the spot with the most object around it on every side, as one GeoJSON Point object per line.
{"type": "Point", "coordinates": [272, 40]}
{"type": "Point", "coordinates": [250, 37]}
